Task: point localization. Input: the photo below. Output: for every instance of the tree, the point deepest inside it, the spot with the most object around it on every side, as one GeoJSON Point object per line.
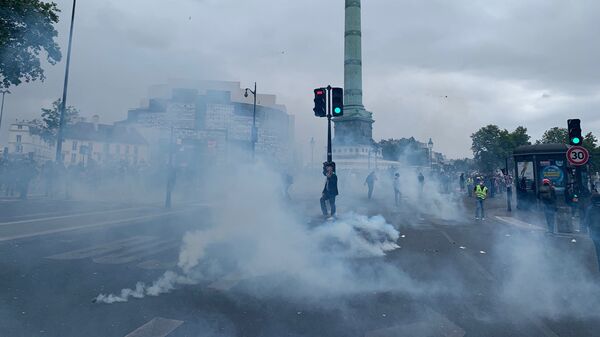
{"type": "Point", "coordinates": [492, 146]}
{"type": "Point", "coordinates": [590, 143]}
{"type": "Point", "coordinates": [554, 135]}
{"type": "Point", "coordinates": [408, 150]}
{"type": "Point", "coordinates": [26, 29]}
{"type": "Point", "coordinates": [47, 127]}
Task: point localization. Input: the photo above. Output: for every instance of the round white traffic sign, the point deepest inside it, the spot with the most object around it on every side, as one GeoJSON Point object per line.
{"type": "Point", "coordinates": [578, 155]}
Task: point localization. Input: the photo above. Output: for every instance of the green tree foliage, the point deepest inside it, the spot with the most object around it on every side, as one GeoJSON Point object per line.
{"type": "Point", "coordinates": [47, 127]}
{"type": "Point", "coordinates": [492, 146]}
{"type": "Point", "coordinates": [554, 135]}
{"type": "Point", "coordinates": [26, 30]}
{"type": "Point", "coordinates": [590, 142]}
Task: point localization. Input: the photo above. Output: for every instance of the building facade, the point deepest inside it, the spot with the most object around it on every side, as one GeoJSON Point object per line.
{"type": "Point", "coordinates": [84, 143]}
{"type": "Point", "coordinates": [214, 120]}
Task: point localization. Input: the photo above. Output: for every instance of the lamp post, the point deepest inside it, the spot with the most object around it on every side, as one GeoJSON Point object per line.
{"type": "Point", "coordinates": [3, 92]}
{"type": "Point", "coordinates": [63, 105]}
{"type": "Point", "coordinates": [430, 148]}
{"type": "Point", "coordinates": [254, 131]}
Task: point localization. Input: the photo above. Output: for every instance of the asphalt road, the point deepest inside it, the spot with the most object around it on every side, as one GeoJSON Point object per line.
{"type": "Point", "coordinates": [474, 279]}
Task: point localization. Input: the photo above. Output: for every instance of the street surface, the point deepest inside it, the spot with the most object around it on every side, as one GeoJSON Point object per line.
{"type": "Point", "coordinates": [58, 255]}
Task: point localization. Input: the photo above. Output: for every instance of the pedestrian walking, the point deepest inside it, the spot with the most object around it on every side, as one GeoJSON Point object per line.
{"type": "Point", "coordinates": [330, 191]}
{"type": "Point", "coordinates": [370, 182]}
{"type": "Point", "coordinates": [480, 195]}
{"type": "Point", "coordinates": [592, 223]}
{"type": "Point", "coordinates": [548, 197]}
{"type": "Point", "coordinates": [397, 188]}
{"type": "Point", "coordinates": [470, 186]}
{"type": "Point", "coordinates": [508, 181]}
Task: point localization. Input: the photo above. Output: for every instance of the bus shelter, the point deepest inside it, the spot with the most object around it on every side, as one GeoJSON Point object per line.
{"type": "Point", "coordinates": [533, 163]}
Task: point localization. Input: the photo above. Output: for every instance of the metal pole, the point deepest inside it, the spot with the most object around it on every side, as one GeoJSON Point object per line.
{"type": "Point", "coordinates": [254, 133]}
{"type": "Point", "coordinates": [63, 104]}
{"type": "Point", "coordinates": [4, 92]}
{"type": "Point", "coordinates": [329, 155]}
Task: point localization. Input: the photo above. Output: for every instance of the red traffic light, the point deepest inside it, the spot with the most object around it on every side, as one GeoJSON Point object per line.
{"type": "Point", "coordinates": [319, 92]}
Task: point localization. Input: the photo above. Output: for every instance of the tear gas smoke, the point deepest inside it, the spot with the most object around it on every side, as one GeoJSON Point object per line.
{"type": "Point", "coordinates": [255, 233]}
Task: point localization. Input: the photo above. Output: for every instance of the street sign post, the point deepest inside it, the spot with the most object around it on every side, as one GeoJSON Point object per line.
{"type": "Point", "coordinates": [578, 155]}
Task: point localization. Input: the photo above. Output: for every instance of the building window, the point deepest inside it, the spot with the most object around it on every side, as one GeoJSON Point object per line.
{"type": "Point", "coordinates": [73, 157]}
{"type": "Point", "coordinates": [19, 137]}
{"type": "Point", "coordinates": [20, 127]}
{"type": "Point", "coordinates": [74, 146]}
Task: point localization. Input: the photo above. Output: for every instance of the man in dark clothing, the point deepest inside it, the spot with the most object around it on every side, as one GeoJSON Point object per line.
{"type": "Point", "coordinates": [592, 222]}
{"type": "Point", "coordinates": [548, 198]}
{"type": "Point", "coordinates": [330, 191]}
{"type": "Point", "coordinates": [370, 182]}
{"type": "Point", "coordinates": [421, 184]}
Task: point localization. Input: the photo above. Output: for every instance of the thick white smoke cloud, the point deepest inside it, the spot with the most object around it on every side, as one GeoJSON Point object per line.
{"type": "Point", "coordinates": [256, 233]}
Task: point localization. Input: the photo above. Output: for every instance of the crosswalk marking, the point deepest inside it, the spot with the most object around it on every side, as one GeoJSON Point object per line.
{"type": "Point", "coordinates": [137, 252]}
{"type": "Point", "coordinates": [100, 249]}
{"type": "Point", "coordinates": [157, 327]}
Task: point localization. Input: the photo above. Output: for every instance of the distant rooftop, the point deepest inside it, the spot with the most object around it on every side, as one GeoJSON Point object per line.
{"type": "Point", "coordinates": [87, 131]}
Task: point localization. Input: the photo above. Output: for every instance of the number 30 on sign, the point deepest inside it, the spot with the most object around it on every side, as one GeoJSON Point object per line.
{"type": "Point", "coordinates": [578, 155]}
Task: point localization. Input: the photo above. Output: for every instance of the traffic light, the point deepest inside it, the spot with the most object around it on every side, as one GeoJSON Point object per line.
{"type": "Point", "coordinates": [337, 102]}
{"type": "Point", "coordinates": [320, 108]}
{"type": "Point", "coordinates": [574, 131]}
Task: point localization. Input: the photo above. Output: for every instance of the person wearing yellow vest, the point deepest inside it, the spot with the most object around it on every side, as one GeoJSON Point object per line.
{"type": "Point", "coordinates": [480, 194]}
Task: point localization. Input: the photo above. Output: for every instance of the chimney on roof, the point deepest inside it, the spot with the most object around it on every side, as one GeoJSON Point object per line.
{"type": "Point", "coordinates": [95, 120]}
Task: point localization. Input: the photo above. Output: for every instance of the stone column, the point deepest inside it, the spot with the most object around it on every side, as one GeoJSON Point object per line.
{"type": "Point", "coordinates": [352, 57]}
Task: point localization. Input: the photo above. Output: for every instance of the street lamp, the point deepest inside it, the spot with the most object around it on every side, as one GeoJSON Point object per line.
{"type": "Point", "coordinates": [254, 132]}
{"type": "Point", "coordinates": [430, 148]}
{"type": "Point", "coordinates": [63, 105]}
{"type": "Point", "coordinates": [3, 92]}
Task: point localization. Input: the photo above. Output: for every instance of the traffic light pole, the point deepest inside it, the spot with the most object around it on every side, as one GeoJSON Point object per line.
{"type": "Point", "coordinates": [329, 154]}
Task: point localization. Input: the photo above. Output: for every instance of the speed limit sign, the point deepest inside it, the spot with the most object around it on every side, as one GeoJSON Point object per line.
{"type": "Point", "coordinates": [578, 155]}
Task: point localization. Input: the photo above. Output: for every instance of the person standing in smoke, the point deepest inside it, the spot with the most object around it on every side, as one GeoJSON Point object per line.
{"type": "Point", "coordinates": [548, 198]}
{"type": "Point", "coordinates": [461, 182]}
{"type": "Point", "coordinates": [421, 184]}
{"type": "Point", "coordinates": [480, 194]}
{"type": "Point", "coordinates": [397, 188]}
{"type": "Point", "coordinates": [330, 191]}
{"type": "Point", "coordinates": [592, 222]}
{"type": "Point", "coordinates": [370, 182]}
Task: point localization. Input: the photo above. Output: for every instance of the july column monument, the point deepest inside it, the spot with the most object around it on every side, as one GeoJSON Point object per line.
{"type": "Point", "coordinates": [356, 126]}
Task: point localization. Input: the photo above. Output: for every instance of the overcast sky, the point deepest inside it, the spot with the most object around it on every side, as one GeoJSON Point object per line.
{"type": "Point", "coordinates": [438, 69]}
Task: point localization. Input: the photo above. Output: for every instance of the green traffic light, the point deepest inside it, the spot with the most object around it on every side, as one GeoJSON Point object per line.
{"type": "Point", "coordinates": [337, 110]}
{"type": "Point", "coordinates": [576, 140]}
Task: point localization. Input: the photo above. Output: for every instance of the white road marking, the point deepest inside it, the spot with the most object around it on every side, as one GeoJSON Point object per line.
{"type": "Point", "coordinates": [137, 253]}
{"type": "Point", "coordinates": [157, 327]}
{"type": "Point", "coordinates": [99, 224]}
{"type": "Point", "coordinates": [100, 249]}
{"type": "Point", "coordinates": [74, 215]}
{"type": "Point", "coordinates": [520, 224]}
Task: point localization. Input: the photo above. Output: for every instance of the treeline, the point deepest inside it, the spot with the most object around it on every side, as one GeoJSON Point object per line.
{"type": "Point", "coordinates": [492, 146]}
